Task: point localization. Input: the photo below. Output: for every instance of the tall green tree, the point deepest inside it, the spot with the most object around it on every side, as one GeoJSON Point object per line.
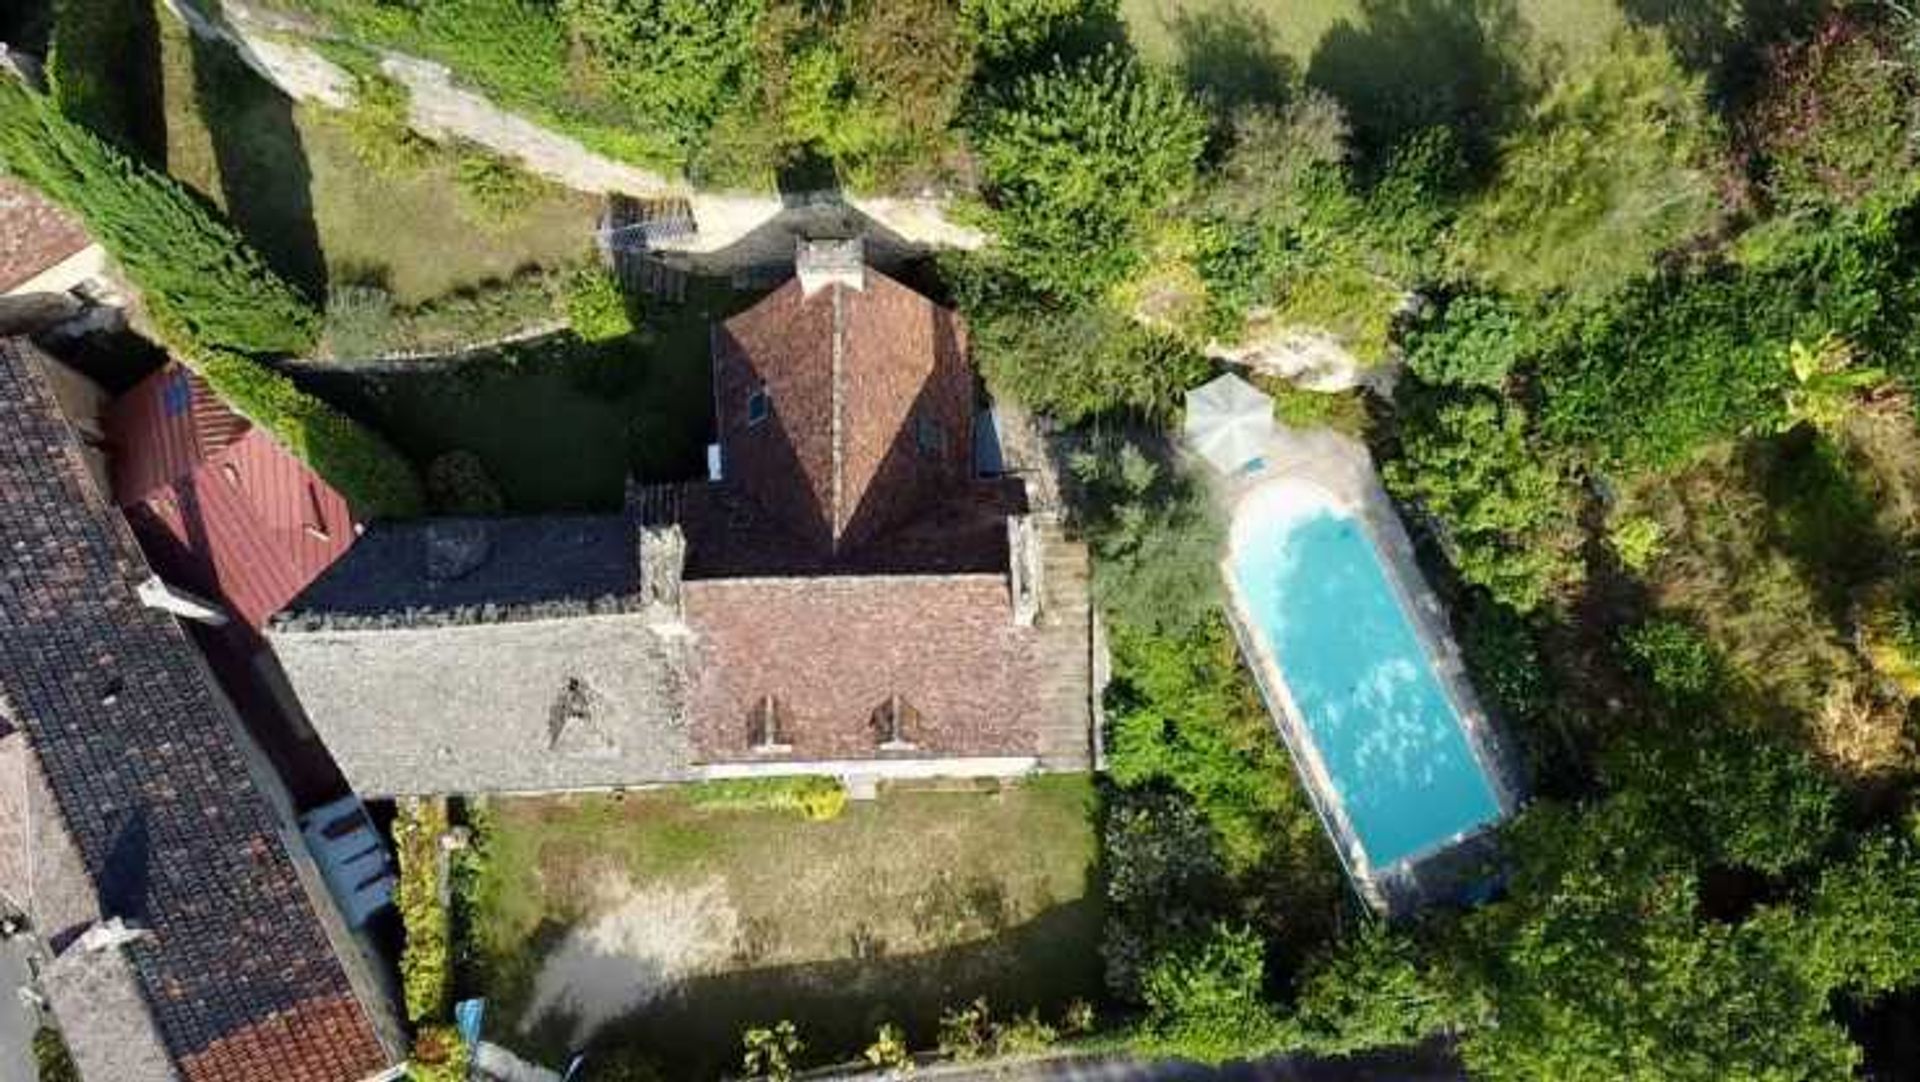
{"type": "Point", "coordinates": [1077, 159]}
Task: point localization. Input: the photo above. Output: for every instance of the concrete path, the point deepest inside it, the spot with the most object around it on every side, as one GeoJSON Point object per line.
{"type": "Point", "coordinates": [17, 1020]}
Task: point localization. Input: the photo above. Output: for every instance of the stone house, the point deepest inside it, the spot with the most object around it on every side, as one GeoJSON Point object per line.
{"type": "Point", "coordinates": [846, 594]}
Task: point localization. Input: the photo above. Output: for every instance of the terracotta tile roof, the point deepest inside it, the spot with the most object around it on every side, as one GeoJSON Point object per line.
{"type": "Point", "coordinates": [220, 507]}
{"type": "Point", "coordinates": [34, 234]}
{"type": "Point", "coordinates": [150, 781]}
{"type": "Point", "coordinates": [870, 402]}
{"type": "Point", "coordinates": [832, 650]}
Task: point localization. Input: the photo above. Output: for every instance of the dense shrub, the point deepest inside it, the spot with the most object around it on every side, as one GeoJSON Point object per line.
{"type": "Point", "coordinates": [1677, 659]}
{"type": "Point", "coordinates": [374, 478]}
{"type": "Point", "coordinates": [1835, 123]}
{"type": "Point", "coordinates": [51, 1059]}
{"type": "Point", "coordinates": [812, 797]}
{"type": "Point", "coordinates": [1861, 925]}
{"type": "Point", "coordinates": [1079, 361]}
{"type": "Point", "coordinates": [1206, 1001]}
{"type": "Point", "coordinates": [98, 50]}
{"type": "Point", "coordinates": [1155, 536]}
{"type": "Point", "coordinates": [192, 269]}
{"type": "Point", "coordinates": [1009, 30]}
{"type": "Point", "coordinates": [1475, 340]}
{"type": "Point", "coordinates": [596, 305]}
{"type": "Point", "coordinates": [677, 63]}
{"type": "Point", "coordinates": [426, 973]}
{"type": "Point", "coordinates": [1508, 511]}
{"type": "Point", "coordinates": [1614, 168]}
{"type": "Point", "coordinates": [439, 1055]}
{"type": "Point", "coordinates": [1371, 991]}
{"type": "Point", "coordinates": [494, 192]}
{"type": "Point", "coordinates": [1165, 881]}
{"type": "Point", "coordinates": [379, 127]}
{"type": "Point", "coordinates": [1076, 160]}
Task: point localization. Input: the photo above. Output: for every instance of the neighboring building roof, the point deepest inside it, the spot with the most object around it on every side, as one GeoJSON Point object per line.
{"type": "Point", "coordinates": [831, 651]}
{"type": "Point", "coordinates": [144, 766]}
{"type": "Point", "coordinates": [844, 411]}
{"type": "Point", "coordinates": [219, 505]}
{"type": "Point", "coordinates": [468, 570]}
{"type": "Point", "coordinates": [35, 235]}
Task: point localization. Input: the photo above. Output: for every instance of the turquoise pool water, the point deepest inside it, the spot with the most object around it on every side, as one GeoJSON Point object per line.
{"type": "Point", "coordinates": [1394, 747]}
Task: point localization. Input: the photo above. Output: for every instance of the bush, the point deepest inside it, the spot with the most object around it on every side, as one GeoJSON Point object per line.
{"type": "Point", "coordinates": [1372, 991]}
{"type": "Point", "coordinates": [1890, 636]}
{"type": "Point", "coordinates": [1637, 541]}
{"type": "Point", "coordinates": [374, 478]}
{"type": "Point", "coordinates": [770, 1051]}
{"type": "Point", "coordinates": [1676, 658]}
{"type": "Point", "coordinates": [1614, 168]}
{"type": "Point", "coordinates": [814, 797]}
{"type": "Point", "coordinates": [1835, 123]}
{"type": "Point", "coordinates": [1206, 1001]}
{"type": "Point", "coordinates": [494, 192]}
{"type": "Point", "coordinates": [458, 484]}
{"type": "Point", "coordinates": [1509, 513]}
{"type": "Point", "coordinates": [1155, 537]}
{"type": "Point", "coordinates": [51, 1060]}
{"type": "Point", "coordinates": [359, 323]}
{"type": "Point", "coordinates": [1076, 160]}
{"type": "Point", "coordinates": [596, 306]}
{"type": "Point", "coordinates": [380, 128]}
{"type": "Point", "coordinates": [678, 64]}
{"type": "Point", "coordinates": [1165, 881]}
{"type": "Point", "coordinates": [1474, 341]}
{"type": "Point", "coordinates": [426, 973]}
{"type": "Point", "coordinates": [193, 270]}
{"type": "Point", "coordinates": [1082, 361]}
{"type": "Point", "coordinates": [889, 1051]}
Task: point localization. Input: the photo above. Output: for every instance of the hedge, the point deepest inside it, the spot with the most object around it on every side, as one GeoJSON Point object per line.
{"type": "Point", "coordinates": [426, 973]}
{"type": "Point", "coordinates": [813, 797]}
{"type": "Point", "coordinates": [193, 270]}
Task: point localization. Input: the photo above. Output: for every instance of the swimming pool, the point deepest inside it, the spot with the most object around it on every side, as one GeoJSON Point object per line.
{"type": "Point", "coordinates": [1387, 741]}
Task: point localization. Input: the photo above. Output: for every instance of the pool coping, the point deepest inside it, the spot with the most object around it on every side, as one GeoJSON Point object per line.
{"type": "Point", "coordinates": [1343, 472]}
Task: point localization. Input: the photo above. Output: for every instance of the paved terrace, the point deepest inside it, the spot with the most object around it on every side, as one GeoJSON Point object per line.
{"type": "Point", "coordinates": [1342, 467]}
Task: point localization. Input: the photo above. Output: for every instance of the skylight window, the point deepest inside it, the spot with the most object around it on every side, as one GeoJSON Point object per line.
{"type": "Point", "coordinates": [931, 438]}
{"type": "Point", "coordinates": [759, 405]}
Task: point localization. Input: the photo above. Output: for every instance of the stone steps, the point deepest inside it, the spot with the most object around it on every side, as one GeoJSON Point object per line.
{"type": "Point", "coordinates": [1064, 651]}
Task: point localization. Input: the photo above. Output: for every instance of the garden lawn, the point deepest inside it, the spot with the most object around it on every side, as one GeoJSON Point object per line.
{"type": "Point", "coordinates": [559, 423]}
{"type": "Point", "coordinates": [681, 926]}
{"type": "Point", "coordinates": [289, 177]}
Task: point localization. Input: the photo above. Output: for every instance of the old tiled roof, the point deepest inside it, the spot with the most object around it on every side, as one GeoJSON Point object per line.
{"type": "Point", "coordinates": [145, 768]}
{"type": "Point", "coordinates": [34, 234]}
{"type": "Point", "coordinates": [831, 650]}
{"type": "Point", "coordinates": [456, 571]}
{"type": "Point", "coordinates": [220, 506]}
{"type": "Point", "coordinates": [870, 407]}
{"type": "Point", "coordinates": [522, 705]}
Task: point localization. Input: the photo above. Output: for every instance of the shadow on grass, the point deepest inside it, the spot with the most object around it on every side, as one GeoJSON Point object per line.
{"type": "Point", "coordinates": [1821, 517]}
{"type": "Point", "coordinates": [1230, 56]}
{"type": "Point", "coordinates": [694, 1032]}
{"type": "Point", "coordinates": [264, 177]}
{"type": "Point", "coordinates": [1409, 65]}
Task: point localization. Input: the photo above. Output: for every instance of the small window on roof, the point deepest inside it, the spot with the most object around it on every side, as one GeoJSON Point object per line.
{"type": "Point", "coordinates": [894, 723]}
{"type": "Point", "coordinates": [931, 437]}
{"type": "Point", "coordinates": [759, 405]}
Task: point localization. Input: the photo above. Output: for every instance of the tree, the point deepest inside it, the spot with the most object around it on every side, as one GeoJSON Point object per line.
{"type": "Point", "coordinates": [1077, 361]}
{"type": "Point", "coordinates": [1155, 537]}
{"type": "Point", "coordinates": [678, 63]}
{"type": "Point", "coordinates": [1206, 1000]}
{"type": "Point", "coordinates": [1859, 927]}
{"type": "Point", "coordinates": [193, 270]}
{"type": "Point", "coordinates": [1835, 122]}
{"type": "Point", "coordinates": [1076, 160]}
{"type": "Point", "coordinates": [1372, 991]}
{"type": "Point", "coordinates": [1476, 340]}
{"type": "Point", "coordinates": [1614, 168]}
{"type": "Point", "coordinates": [1508, 512]}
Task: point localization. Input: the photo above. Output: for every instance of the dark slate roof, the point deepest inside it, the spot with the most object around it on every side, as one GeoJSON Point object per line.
{"type": "Point", "coordinates": [436, 572]}
{"type": "Point", "coordinates": [149, 778]}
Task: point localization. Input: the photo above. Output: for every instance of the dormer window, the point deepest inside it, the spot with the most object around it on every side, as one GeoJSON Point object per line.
{"type": "Point", "coordinates": [759, 405]}
{"type": "Point", "coordinates": [931, 438]}
{"type": "Point", "coordinates": [894, 722]}
{"type": "Point", "coordinates": [767, 727]}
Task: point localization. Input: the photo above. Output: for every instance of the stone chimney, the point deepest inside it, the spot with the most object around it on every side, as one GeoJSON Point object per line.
{"type": "Point", "coordinates": [663, 560]}
{"type": "Point", "coordinates": [1023, 569]}
{"type": "Point", "coordinates": [821, 263]}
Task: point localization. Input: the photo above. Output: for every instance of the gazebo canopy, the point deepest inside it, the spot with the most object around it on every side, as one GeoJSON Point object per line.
{"type": "Point", "coordinates": [1229, 422]}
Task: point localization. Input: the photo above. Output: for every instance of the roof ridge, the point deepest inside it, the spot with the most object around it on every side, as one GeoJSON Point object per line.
{"type": "Point", "coordinates": [838, 422]}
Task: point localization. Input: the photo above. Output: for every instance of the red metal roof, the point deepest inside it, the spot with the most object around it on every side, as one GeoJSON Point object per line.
{"type": "Point", "coordinates": [221, 507]}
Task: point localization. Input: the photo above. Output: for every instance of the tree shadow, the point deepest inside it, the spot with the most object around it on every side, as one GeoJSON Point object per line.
{"type": "Point", "coordinates": [264, 176]}
{"type": "Point", "coordinates": [1725, 40]}
{"type": "Point", "coordinates": [1410, 65]}
{"type": "Point", "coordinates": [1230, 56]}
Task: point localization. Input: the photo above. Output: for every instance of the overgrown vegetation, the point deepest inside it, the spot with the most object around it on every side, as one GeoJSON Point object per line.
{"type": "Point", "coordinates": [426, 970]}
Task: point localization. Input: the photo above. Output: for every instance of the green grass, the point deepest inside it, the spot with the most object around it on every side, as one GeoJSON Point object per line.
{"type": "Point", "coordinates": [1168, 31]}
{"type": "Point", "coordinates": [559, 423]}
{"type": "Point", "coordinates": [891, 912]}
{"type": "Point", "coordinates": [290, 178]}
